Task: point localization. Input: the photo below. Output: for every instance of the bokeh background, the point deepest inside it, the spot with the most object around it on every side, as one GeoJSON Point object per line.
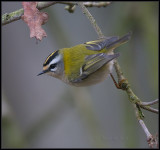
{"type": "Point", "coordinates": [43, 112]}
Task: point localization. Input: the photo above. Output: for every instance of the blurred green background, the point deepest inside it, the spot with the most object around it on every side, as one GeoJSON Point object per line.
{"type": "Point", "coordinates": [43, 112]}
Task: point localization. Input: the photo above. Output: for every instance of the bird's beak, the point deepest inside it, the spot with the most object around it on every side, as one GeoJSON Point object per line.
{"type": "Point", "coordinates": [44, 71]}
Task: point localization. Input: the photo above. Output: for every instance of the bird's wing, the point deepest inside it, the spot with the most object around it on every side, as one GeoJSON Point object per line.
{"type": "Point", "coordinates": [100, 44]}
{"type": "Point", "coordinates": [108, 42]}
{"type": "Point", "coordinates": [92, 64]}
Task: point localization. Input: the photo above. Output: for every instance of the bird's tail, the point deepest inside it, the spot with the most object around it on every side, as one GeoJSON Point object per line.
{"type": "Point", "coordinates": [119, 42]}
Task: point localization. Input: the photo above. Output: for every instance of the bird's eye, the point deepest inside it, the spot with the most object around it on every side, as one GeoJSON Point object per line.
{"type": "Point", "coordinates": [52, 66]}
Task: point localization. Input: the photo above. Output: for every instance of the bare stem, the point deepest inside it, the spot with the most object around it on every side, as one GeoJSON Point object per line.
{"type": "Point", "coordinates": [132, 97]}
{"type": "Point", "coordinates": [92, 20]}
{"type": "Point", "coordinates": [152, 142]}
{"type": "Point", "coordinates": [145, 129]}
{"type": "Point", "coordinates": [42, 5]}
{"type": "Point", "coordinates": [96, 4]}
{"type": "Point", "coordinates": [149, 108]}
{"type": "Point", "coordinates": [16, 15]}
{"type": "Point", "coordinates": [150, 103]}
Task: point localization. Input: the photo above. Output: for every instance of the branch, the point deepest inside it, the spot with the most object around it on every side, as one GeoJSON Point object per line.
{"type": "Point", "coordinates": [16, 15]}
{"type": "Point", "coordinates": [96, 4]}
{"type": "Point", "coordinates": [13, 16]}
{"type": "Point", "coordinates": [92, 20]}
{"type": "Point", "coordinates": [132, 97]}
{"type": "Point", "coordinates": [152, 141]}
{"type": "Point", "coordinates": [124, 85]}
{"type": "Point", "coordinates": [149, 108]}
{"type": "Point", "coordinates": [150, 103]}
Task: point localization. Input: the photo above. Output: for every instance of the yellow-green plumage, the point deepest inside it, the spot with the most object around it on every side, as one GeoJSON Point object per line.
{"type": "Point", "coordinates": [84, 64]}
{"type": "Point", "coordinates": [72, 54]}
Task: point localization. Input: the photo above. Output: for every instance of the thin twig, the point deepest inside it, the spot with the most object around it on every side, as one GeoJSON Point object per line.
{"type": "Point", "coordinates": [96, 4]}
{"type": "Point", "coordinates": [152, 142]}
{"type": "Point", "coordinates": [92, 20]}
{"type": "Point", "coordinates": [149, 108]}
{"type": "Point", "coordinates": [132, 97]}
{"type": "Point", "coordinates": [145, 129]}
{"type": "Point", "coordinates": [150, 103]}
{"type": "Point", "coordinates": [150, 139]}
{"type": "Point", "coordinates": [43, 5]}
{"type": "Point", "coordinates": [16, 15]}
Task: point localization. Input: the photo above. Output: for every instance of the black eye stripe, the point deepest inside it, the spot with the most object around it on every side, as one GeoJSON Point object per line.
{"type": "Point", "coordinates": [52, 66]}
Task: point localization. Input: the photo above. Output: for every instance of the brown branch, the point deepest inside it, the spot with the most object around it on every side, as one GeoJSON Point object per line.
{"type": "Point", "coordinates": [16, 15]}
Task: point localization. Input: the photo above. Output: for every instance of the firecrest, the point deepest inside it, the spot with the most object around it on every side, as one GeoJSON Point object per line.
{"type": "Point", "coordinates": [84, 64]}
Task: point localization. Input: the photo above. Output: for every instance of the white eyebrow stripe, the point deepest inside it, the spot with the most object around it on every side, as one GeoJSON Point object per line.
{"type": "Point", "coordinates": [55, 60]}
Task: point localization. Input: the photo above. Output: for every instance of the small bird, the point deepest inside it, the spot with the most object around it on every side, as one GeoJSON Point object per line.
{"type": "Point", "coordinates": [84, 64]}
